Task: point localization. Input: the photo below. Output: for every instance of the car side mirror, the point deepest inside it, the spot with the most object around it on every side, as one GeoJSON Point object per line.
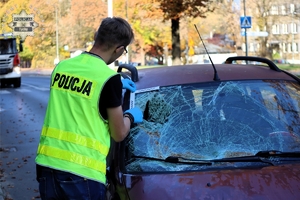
{"type": "Point", "coordinates": [21, 46]}
{"type": "Point", "coordinates": [132, 69]}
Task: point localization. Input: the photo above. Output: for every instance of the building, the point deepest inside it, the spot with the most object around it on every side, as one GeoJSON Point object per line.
{"type": "Point", "coordinates": [275, 31]}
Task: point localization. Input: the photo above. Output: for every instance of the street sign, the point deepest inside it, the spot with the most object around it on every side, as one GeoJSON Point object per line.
{"type": "Point", "coordinates": [257, 34]}
{"type": "Point", "coordinates": [245, 22]}
{"type": "Point", "coordinates": [23, 24]}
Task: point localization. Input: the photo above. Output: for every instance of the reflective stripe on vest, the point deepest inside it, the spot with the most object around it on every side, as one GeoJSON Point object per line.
{"type": "Point", "coordinates": [75, 138]}
{"type": "Point", "coordinates": [72, 157]}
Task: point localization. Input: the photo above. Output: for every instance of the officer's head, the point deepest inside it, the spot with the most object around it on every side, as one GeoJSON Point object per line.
{"type": "Point", "coordinates": [113, 36]}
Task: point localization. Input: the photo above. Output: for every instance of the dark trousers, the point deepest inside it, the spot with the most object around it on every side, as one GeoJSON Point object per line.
{"type": "Point", "coordinates": [54, 184]}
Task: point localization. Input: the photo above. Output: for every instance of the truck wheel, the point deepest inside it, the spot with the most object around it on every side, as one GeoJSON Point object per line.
{"type": "Point", "coordinates": [17, 83]}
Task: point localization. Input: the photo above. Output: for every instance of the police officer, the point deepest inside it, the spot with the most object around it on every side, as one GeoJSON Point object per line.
{"type": "Point", "coordinates": [84, 111]}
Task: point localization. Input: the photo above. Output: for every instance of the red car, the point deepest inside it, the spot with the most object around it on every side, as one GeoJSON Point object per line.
{"type": "Point", "coordinates": [224, 131]}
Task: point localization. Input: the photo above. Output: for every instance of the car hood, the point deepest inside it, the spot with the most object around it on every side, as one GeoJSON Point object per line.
{"type": "Point", "coordinates": [274, 182]}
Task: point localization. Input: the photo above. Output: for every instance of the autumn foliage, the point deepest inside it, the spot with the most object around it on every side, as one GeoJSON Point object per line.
{"type": "Point", "coordinates": [155, 23]}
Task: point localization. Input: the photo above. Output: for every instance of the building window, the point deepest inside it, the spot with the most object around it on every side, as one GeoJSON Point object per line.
{"type": "Point", "coordinates": [283, 10]}
{"type": "Point", "coordinates": [284, 28]}
{"type": "Point", "coordinates": [280, 46]}
{"type": "Point", "coordinates": [274, 10]}
{"type": "Point", "coordinates": [275, 29]}
{"type": "Point", "coordinates": [294, 28]}
{"type": "Point", "coordinates": [295, 47]}
{"type": "Point", "coordinates": [289, 48]}
{"type": "Point", "coordinates": [284, 47]}
{"type": "Point", "coordinates": [251, 49]}
{"type": "Point", "coordinates": [292, 8]}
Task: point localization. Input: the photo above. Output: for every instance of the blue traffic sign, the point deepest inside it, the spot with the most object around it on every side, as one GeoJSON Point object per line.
{"type": "Point", "coordinates": [245, 22]}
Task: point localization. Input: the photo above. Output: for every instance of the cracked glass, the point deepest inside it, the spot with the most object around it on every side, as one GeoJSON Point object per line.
{"type": "Point", "coordinates": [213, 120]}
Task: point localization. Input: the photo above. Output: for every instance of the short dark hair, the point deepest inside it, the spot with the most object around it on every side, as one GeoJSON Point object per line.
{"type": "Point", "coordinates": [114, 31]}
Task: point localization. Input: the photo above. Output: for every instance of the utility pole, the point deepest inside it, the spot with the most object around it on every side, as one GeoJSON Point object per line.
{"type": "Point", "coordinates": [57, 52]}
{"type": "Point", "coordinates": [110, 8]}
{"type": "Point", "coordinates": [293, 31]}
{"type": "Point", "coordinates": [129, 49]}
{"type": "Point", "coordinates": [246, 45]}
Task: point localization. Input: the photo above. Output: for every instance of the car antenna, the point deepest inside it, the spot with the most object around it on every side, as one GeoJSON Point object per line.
{"type": "Point", "coordinates": [216, 77]}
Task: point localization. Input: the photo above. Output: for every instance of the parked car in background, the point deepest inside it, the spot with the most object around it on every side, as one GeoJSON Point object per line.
{"type": "Point", "coordinates": [281, 61]}
{"type": "Point", "coordinates": [229, 132]}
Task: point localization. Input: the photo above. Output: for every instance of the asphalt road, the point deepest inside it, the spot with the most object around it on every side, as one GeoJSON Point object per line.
{"type": "Point", "coordinates": [22, 112]}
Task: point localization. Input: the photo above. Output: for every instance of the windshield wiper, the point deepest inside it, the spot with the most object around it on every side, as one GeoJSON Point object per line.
{"type": "Point", "coordinates": [275, 153]}
{"type": "Point", "coordinates": [244, 159]}
{"type": "Point", "coordinates": [174, 159]}
{"type": "Point", "coordinates": [182, 160]}
{"type": "Point", "coordinates": [261, 156]}
{"type": "Point", "coordinates": [233, 159]}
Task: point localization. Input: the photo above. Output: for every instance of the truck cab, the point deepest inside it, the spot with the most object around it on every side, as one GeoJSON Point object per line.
{"type": "Point", "coordinates": [10, 72]}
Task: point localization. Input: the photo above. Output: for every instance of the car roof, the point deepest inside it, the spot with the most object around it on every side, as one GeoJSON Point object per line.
{"type": "Point", "coordinates": [197, 73]}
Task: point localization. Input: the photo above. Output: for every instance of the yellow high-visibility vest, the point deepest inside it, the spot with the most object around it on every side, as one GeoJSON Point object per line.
{"type": "Point", "coordinates": [74, 137]}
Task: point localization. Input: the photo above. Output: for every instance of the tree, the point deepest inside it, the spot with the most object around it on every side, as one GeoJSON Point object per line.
{"type": "Point", "coordinates": [151, 33]}
{"type": "Point", "coordinates": [26, 56]}
{"type": "Point", "coordinates": [225, 20]}
{"type": "Point", "coordinates": [174, 10]}
{"type": "Point", "coordinates": [83, 18]}
{"type": "Point", "coordinates": [77, 22]}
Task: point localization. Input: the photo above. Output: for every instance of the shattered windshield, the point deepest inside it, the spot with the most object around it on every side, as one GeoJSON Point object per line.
{"type": "Point", "coordinates": [214, 120]}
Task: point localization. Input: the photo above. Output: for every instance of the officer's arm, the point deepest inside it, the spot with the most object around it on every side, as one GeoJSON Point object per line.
{"type": "Point", "coordinates": [118, 124]}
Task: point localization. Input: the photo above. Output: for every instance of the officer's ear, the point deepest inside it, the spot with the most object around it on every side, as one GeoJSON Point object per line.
{"type": "Point", "coordinates": [120, 50]}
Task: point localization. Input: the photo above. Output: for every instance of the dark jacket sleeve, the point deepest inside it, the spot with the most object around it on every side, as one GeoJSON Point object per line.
{"type": "Point", "coordinates": [111, 95]}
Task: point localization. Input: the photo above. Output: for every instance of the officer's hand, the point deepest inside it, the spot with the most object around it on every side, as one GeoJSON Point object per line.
{"type": "Point", "coordinates": [136, 114]}
{"type": "Point", "coordinates": [129, 85]}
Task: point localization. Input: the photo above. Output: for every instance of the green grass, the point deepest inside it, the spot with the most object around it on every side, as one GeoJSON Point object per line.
{"type": "Point", "coordinates": [289, 67]}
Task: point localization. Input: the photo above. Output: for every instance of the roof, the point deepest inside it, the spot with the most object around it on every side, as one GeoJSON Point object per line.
{"type": "Point", "coordinates": [183, 74]}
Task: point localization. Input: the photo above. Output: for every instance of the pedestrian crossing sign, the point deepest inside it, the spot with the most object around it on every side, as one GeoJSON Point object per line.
{"type": "Point", "coordinates": [245, 22]}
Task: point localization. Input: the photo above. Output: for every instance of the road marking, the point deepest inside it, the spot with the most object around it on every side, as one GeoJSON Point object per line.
{"type": "Point", "coordinates": [23, 90]}
{"type": "Point", "coordinates": [37, 88]}
{"type": "Point", "coordinates": [1, 110]}
{"type": "Point", "coordinates": [4, 92]}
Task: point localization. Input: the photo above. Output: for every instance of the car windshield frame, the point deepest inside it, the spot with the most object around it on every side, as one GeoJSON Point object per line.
{"type": "Point", "coordinates": [174, 114]}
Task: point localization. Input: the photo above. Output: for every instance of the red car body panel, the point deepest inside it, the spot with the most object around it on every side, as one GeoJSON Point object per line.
{"type": "Point", "coordinates": [281, 181]}
{"type": "Point", "coordinates": [273, 182]}
{"type": "Point", "coordinates": [183, 74]}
